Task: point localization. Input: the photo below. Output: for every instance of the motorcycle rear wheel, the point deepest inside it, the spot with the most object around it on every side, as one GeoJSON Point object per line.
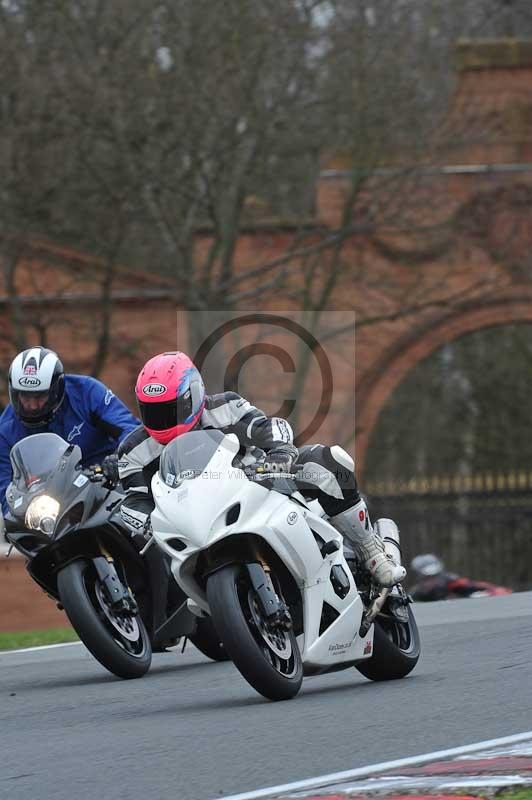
{"type": "Point", "coordinates": [396, 649]}
{"type": "Point", "coordinates": [119, 643]}
{"type": "Point", "coordinates": [269, 659]}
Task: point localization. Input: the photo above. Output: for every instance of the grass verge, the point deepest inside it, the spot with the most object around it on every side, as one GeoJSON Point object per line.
{"type": "Point", "coordinates": [15, 641]}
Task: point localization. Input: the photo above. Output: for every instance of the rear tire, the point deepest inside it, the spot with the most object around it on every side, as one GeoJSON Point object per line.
{"type": "Point", "coordinates": [396, 649]}
{"type": "Point", "coordinates": [207, 641]}
{"type": "Point", "coordinates": [78, 591]}
{"type": "Point", "coordinates": [268, 659]}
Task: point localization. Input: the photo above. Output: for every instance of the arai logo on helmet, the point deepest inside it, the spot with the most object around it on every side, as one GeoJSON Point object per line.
{"type": "Point", "coordinates": [154, 389]}
{"type": "Point", "coordinates": [29, 382]}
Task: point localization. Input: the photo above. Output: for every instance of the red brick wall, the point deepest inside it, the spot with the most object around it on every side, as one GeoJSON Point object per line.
{"type": "Point", "coordinates": [23, 606]}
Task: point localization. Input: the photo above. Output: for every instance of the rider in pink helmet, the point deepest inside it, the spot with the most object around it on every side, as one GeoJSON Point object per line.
{"type": "Point", "coordinates": [172, 401]}
{"type": "Point", "coordinates": [170, 395]}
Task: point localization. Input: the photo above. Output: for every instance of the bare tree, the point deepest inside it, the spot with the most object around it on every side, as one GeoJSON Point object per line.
{"type": "Point", "coordinates": [51, 188]}
{"type": "Point", "coordinates": [156, 133]}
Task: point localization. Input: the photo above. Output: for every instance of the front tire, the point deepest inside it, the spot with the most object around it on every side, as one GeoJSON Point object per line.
{"type": "Point", "coordinates": [396, 649]}
{"type": "Point", "coordinates": [121, 645]}
{"type": "Point", "coordinates": [269, 659]}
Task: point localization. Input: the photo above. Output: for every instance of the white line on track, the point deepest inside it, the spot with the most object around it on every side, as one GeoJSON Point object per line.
{"type": "Point", "coordinates": [36, 649]}
{"type": "Point", "coordinates": [404, 785]}
{"type": "Point", "coordinates": [361, 772]}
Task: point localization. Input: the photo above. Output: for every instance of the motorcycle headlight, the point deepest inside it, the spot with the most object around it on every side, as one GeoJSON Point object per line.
{"type": "Point", "coordinates": [41, 514]}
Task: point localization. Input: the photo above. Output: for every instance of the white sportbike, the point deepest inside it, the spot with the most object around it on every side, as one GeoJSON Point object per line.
{"type": "Point", "coordinates": [272, 572]}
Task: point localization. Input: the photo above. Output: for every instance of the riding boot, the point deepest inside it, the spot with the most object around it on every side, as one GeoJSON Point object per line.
{"type": "Point", "coordinates": [369, 547]}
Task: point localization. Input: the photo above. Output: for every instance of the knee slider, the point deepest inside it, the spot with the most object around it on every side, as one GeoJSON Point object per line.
{"type": "Point", "coordinates": [342, 457]}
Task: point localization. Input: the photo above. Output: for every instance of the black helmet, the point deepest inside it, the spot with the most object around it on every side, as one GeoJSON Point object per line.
{"type": "Point", "coordinates": [36, 371]}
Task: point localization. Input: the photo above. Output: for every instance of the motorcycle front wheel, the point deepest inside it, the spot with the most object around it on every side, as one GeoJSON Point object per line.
{"type": "Point", "coordinates": [118, 640]}
{"type": "Point", "coordinates": [266, 656]}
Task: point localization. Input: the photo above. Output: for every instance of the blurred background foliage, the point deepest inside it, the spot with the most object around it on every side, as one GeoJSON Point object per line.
{"type": "Point", "coordinates": [464, 410]}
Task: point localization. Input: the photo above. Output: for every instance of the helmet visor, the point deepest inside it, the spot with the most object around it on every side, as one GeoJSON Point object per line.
{"type": "Point", "coordinates": [163, 416]}
{"type": "Point", "coordinates": [32, 405]}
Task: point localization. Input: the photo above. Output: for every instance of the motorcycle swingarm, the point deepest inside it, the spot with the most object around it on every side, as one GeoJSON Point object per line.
{"type": "Point", "coordinates": [397, 606]}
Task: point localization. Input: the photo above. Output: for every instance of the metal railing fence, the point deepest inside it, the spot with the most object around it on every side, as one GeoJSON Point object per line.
{"type": "Point", "coordinates": [479, 525]}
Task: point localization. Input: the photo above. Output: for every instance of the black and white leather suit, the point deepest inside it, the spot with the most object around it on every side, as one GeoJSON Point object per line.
{"type": "Point", "coordinates": [322, 473]}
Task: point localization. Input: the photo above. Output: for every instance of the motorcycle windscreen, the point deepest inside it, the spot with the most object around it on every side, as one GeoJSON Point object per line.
{"type": "Point", "coordinates": [35, 459]}
{"type": "Point", "coordinates": [187, 456]}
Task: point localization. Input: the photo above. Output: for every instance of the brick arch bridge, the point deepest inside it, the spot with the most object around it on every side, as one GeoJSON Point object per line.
{"type": "Point", "coordinates": [471, 268]}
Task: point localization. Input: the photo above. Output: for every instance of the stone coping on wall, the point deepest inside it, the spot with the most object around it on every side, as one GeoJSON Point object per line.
{"type": "Point", "coordinates": [492, 54]}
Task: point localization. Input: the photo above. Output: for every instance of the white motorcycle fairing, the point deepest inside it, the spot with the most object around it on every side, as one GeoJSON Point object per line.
{"type": "Point", "coordinates": [198, 511]}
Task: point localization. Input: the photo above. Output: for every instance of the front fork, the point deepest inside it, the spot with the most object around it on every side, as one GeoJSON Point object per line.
{"type": "Point", "coordinates": [274, 609]}
{"type": "Point", "coordinates": [115, 590]}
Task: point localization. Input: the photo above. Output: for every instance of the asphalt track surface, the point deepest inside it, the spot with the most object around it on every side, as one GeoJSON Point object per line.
{"type": "Point", "coordinates": [194, 730]}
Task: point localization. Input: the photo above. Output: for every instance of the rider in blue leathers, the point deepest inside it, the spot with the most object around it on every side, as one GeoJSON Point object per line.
{"type": "Point", "coordinates": [80, 409]}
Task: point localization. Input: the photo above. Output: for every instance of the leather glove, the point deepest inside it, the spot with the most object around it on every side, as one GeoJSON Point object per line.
{"type": "Point", "coordinates": [110, 469]}
{"type": "Point", "coordinates": [281, 459]}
